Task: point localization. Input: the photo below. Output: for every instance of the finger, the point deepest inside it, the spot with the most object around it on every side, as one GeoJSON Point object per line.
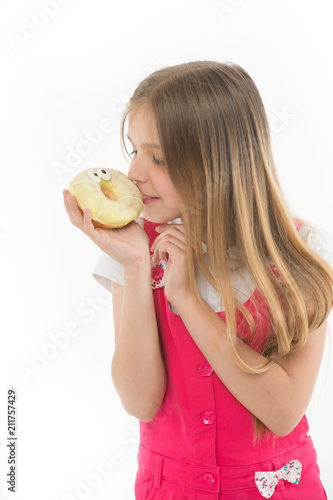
{"type": "Point", "coordinates": [67, 205]}
{"type": "Point", "coordinates": [180, 231]}
{"type": "Point", "coordinates": [169, 245]}
{"type": "Point", "coordinates": [65, 193]}
{"type": "Point", "coordinates": [88, 226]}
{"type": "Point", "coordinates": [176, 254]}
{"type": "Point", "coordinates": [174, 232]}
{"type": "Point", "coordinates": [161, 229]}
{"type": "Point", "coordinates": [67, 196]}
{"type": "Point", "coordinates": [76, 214]}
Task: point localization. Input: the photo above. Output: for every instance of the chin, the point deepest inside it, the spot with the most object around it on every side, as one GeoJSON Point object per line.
{"type": "Point", "coordinates": [155, 217]}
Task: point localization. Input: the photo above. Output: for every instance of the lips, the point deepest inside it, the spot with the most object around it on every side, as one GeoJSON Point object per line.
{"type": "Point", "coordinates": [146, 197]}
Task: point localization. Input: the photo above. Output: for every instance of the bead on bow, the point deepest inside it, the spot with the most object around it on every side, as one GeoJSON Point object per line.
{"type": "Point", "coordinates": [267, 481]}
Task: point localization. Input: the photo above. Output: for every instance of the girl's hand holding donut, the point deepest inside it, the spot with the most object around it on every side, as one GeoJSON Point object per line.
{"type": "Point", "coordinates": [128, 245]}
{"type": "Point", "coordinates": [176, 280]}
{"type": "Point", "coordinates": [103, 203]}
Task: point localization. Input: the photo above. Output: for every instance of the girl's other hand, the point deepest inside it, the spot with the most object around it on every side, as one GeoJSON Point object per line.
{"type": "Point", "coordinates": [128, 245]}
{"type": "Point", "coordinates": [176, 280]}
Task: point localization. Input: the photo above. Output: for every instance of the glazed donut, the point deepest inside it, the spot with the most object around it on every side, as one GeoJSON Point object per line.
{"type": "Point", "coordinates": [113, 199]}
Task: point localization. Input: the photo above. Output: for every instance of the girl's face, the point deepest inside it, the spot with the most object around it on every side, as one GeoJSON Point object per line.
{"type": "Point", "coordinates": [148, 170]}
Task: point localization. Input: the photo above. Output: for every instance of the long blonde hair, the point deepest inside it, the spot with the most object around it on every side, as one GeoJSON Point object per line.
{"type": "Point", "coordinates": [216, 144]}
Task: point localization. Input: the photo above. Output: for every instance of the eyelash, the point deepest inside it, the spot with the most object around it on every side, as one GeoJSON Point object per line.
{"type": "Point", "coordinates": [155, 160]}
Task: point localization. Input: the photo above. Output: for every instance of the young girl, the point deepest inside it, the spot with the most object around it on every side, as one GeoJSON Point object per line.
{"type": "Point", "coordinates": [220, 295]}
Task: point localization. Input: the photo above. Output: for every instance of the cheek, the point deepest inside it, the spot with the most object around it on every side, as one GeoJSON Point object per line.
{"type": "Point", "coordinates": [173, 202]}
{"type": "Point", "coordinates": [168, 191]}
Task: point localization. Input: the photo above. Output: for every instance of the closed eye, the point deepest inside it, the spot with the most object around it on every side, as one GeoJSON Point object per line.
{"type": "Point", "coordinates": [158, 162]}
{"type": "Point", "coordinates": [155, 160]}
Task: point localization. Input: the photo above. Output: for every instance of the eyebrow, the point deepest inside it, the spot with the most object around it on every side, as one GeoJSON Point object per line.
{"type": "Point", "coordinates": [148, 144]}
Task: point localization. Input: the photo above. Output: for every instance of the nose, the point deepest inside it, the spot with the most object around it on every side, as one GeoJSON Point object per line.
{"type": "Point", "coordinates": [137, 171]}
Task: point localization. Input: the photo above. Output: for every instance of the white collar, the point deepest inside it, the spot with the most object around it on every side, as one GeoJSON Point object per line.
{"type": "Point", "coordinates": [179, 220]}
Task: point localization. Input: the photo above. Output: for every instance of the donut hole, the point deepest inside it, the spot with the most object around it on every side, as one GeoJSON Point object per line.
{"type": "Point", "coordinates": [109, 195]}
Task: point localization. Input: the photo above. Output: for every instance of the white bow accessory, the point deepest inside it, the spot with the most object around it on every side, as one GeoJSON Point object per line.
{"type": "Point", "coordinates": [267, 481]}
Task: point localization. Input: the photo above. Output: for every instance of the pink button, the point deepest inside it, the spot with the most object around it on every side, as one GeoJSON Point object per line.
{"type": "Point", "coordinates": [205, 369]}
{"type": "Point", "coordinates": [208, 479]}
{"type": "Point", "coordinates": [208, 417]}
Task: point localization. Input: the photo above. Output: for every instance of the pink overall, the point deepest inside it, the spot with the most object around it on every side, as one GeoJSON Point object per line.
{"type": "Point", "coordinates": [199, 445]}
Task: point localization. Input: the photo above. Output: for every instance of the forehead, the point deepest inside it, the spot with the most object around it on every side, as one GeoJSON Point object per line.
{"type": "Point", "coordinates": [142, 128]}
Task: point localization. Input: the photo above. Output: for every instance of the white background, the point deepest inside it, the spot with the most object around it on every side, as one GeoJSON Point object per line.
{"type": "Point", "coordinates": [63, 73]}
